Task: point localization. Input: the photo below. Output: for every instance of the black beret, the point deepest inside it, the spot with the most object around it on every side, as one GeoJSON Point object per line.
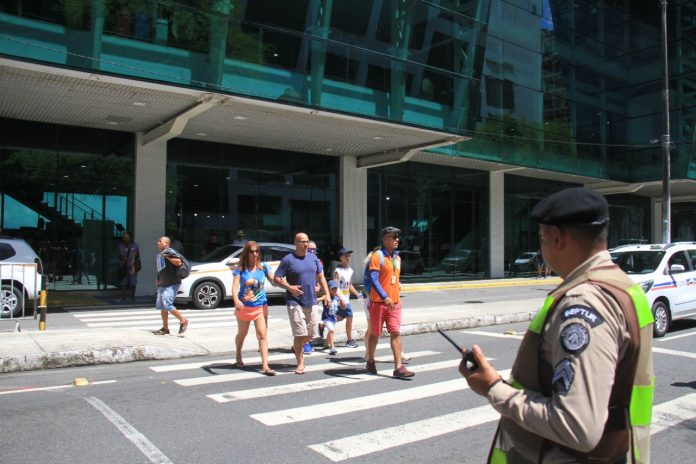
{"type": "Point", "coordinates": [576, 206]}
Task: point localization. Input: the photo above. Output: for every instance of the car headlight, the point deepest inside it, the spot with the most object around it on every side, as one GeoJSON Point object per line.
{"type": "Point", "coordinates": [647, 285]}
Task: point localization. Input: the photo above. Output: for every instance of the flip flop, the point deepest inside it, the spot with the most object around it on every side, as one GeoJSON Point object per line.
{"type": "Point", "coordinates": [269, 372]}
{"type": "Point", "coordinates": [299, 371]}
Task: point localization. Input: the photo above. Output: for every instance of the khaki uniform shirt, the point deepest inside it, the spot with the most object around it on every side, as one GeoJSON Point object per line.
{"type": "Point", "coordinates": [576, 417]}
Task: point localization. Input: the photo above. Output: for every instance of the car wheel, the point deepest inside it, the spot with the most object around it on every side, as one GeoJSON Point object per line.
{"type": "Point", "coordinates": [661, 314]}
{"type": "Point", "coordinates": [11, 302]}
{"type": "Point", "coordinates": [207, 295]}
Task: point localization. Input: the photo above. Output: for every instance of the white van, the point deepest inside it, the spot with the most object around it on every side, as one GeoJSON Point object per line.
{"type": "Point", "coordinates": [667, 274]}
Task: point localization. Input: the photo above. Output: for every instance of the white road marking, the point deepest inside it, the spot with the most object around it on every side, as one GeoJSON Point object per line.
{"type": "Point", "coordinates": [56, 387]}
{"type": "Point", "coordinates": [684, 354]}
{"type": "Point", "coordinates": [154, 315]}
{"type": "Point", "coordinates": [316, 411]}
{"type": "Point", "coordinates": [379, 440]}
{"type": "Point", "coordinates": [674, 337]}
{"type": "Point", "coordinates": [146, 446]}
{"type": "Point", "coordinates": [665, 415]}
{"type": "Point", "coordinates": [492, 334]}
{"type": "Point", "coordinates": [266, 392]}
{"type": "Point", "coordinates": [256, 359]}
{"type": "Point", "coordinates": [673, 412]}
{"type": "Point", "coordinates": [156, 323]}
{"type": "Point", "coordinates": [102, 314]}
{"type": "Point", "coordinates": [211, 379]}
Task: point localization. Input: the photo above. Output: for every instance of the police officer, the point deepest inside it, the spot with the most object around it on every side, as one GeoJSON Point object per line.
{"type": "Point", "coordinates": [583, 375]}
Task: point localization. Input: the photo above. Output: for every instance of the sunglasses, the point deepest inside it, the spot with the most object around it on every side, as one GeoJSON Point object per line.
{"type": "Point", "coordinates": [312, 250]}
{"type": "Point", "coordinates": [255, 251]}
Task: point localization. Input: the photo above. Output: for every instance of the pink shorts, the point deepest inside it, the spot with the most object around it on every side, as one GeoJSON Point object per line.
{"type": "Point", "coordinates": [251, 313]}
{"type": "Point", "coordinates": [380, 314]}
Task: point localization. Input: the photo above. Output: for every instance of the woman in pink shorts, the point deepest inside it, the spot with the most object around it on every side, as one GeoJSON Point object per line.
{"type": "Point", "coordinates": [250, 301]}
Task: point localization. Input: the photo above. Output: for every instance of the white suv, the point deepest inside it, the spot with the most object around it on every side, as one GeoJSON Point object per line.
{"type": "Point", "coordinates": [21, 272]}
{"type": "Point", "coordinates": [210, 280]}
{"type": "Point", "coordinates": [667, 274]}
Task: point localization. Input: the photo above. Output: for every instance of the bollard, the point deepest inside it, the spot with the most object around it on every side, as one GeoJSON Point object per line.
{"type": "Point", "coordinates": [42, 310]}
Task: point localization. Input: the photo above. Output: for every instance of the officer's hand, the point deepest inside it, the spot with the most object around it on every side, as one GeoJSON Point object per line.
{"type": "Point", "coordinates": [485, 375]}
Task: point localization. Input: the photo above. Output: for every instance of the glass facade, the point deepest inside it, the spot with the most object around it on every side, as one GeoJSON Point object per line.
{"type": "Point", "coordinates": [442, 213]}
{"type": "Point", "coordinates": [270, 195]}
{"type": "Point", "coordinates": [68, 192]}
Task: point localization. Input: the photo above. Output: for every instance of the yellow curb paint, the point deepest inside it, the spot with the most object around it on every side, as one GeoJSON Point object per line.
{"type": "Point", "coordinates": [462, 285]}
{"type": "Point", "coordinates": [80, 382]}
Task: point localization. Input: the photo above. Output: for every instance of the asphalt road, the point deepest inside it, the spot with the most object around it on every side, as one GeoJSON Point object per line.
{"type": "Point", "coordinates": [204, 410]}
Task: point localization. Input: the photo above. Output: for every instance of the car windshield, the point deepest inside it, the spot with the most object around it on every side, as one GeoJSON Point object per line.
{"type": "Point", "coordinates": [638, 262]}
{"type": "Point", "coordinates": [220, 254]}
{"type": "Point", "coordinates": [528, 255]}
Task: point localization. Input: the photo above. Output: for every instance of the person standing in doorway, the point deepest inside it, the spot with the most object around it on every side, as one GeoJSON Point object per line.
{"type": "Point", "coordinates": [385, 301]}
{"type": "Point", "coordinates": [298, 273]}
{"type": "Point", "coordinates": [239, 240]}
{"type": "Point", "coordinates": [128, 251]}
{"type": "Point", "coordinates": [168, 282]}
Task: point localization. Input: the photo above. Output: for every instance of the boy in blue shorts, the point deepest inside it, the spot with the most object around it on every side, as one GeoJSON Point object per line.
{"type": "Point", "coordinates": [329, 317]}
{"type": "Point", "coordinates": [343, 275]}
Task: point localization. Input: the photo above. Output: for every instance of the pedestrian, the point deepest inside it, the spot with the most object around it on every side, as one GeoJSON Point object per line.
{"type": "Point", "coordinates": [129, 258]}
{"type": "Point", "coordinates": [329, 317]}
{"type": "Point", "coordinates": [167, 285]}
{"type": "Point", "coordinates": [583, 372]}
{"type": "Point", "coordinates": [385, 302]}
{"type": "Point", "coordinates": [343, 275]}
{"type": "Point", "coordinates": [541, 266]}
{"type": "Point", "coordinates": [240, 240]}
{"type": "Point", "coordinates": [250, 302]}
{"type": "Point", "coordinates": [212, 245]}
{"type": "Point", "coordinates": [298, 273]}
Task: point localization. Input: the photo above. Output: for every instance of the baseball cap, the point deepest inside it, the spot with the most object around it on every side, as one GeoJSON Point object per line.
{"type": "Point", "coordinates": [391, 231]}
{"type": "Point", "coordinates": [344, 251]}
{"type": "Point", "coordinates": [333, 284]}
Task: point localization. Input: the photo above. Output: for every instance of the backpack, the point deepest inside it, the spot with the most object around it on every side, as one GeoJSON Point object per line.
{"type": "Point", "coordinates": [184, 270]}
{"type": "Point", "coordinates": [367, 282]}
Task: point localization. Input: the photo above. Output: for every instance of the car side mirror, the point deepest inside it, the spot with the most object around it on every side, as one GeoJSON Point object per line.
{"type": "Point", "coordinates": [675, 268]}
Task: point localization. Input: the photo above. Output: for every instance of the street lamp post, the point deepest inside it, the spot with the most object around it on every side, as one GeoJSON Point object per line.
{"type": "Point", "coordinates": [666, 193]}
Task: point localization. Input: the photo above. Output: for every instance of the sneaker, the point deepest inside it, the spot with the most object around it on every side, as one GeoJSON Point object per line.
{"type": "Point", "coordinates": [183, 327]}
{"type": "Point", "coordinates": [371, 368]}
{"type": "Point", "coordinates": [161, 331]}
{"type": "Point", "coordinates": [321, 330]}
{"type": "Point", "coordinates": [333, 351]}
{"type": "Point", "coordinates": [308, 348]}
{"type": "Point", "coordinates": [402, 373]}
{"type": "Point", "coordinates": [351, 344]}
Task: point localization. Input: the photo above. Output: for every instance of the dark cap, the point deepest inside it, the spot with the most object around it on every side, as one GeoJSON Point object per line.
{"type": "Point", "coordinates": [344, 251]}
{"type": "Point", "coordinates": [577, 206]}
{"type": "Point", "coordinates": [390, 231]}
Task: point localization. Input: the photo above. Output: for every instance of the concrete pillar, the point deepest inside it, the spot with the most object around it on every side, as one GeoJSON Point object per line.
{"type": "Point", "coordinates": [496, 232]}
{"type": "Point", "coordinates": [149, 199]}
{"type": "Point", "coordinates": [353, 212]}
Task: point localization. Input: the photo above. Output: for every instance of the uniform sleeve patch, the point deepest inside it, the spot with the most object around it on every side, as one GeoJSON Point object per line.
{"type": "Point", "coordinates": [563, 376]}
{"type": "Point", "coordinates": [583, 312]}
{"type": "Point", "coordinates": [575, 338]}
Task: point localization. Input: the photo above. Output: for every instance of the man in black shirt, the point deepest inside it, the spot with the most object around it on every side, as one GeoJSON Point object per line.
{"type": "Point", "coordinates": [167, 285]}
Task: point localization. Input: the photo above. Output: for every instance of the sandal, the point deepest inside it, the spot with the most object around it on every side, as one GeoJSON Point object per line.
{"type": "Point", "coordinates": [161, 331]}
{"type": "Point", "coordinates": [269, 372]}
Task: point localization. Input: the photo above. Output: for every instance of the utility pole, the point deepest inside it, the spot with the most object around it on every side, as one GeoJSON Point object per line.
{"type": "Point", "coordinates": [666, 193]}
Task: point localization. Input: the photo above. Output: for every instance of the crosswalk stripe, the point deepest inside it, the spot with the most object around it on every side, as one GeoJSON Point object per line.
{"type": "Point", "coordinates": [211, 379]}
{"type": "Point", "coordinates": [684, 354]}
{"type": "Point", "coordinates": [252, 360]}
{"type": "Point", "coordinates": [674, 337]}
{"type": "Point", "coordinates": [363, 403]}
{"type": "Point", "coordinates": [671, 413]}
{"type": "Point", "coordinates": [100, 314]}
{"type": "Point", "coordinates": [379, 440]}
{"type": "Point", "coordinates": [194, 324]}
{"type": "Point", "coordinates": [665, 415]}
{"type": "Point", "coordinates": [492, 334]}
{"type": "Point", "coordinates": [156, 315]}
{"type": "Point", "coordinates": [275, 390]}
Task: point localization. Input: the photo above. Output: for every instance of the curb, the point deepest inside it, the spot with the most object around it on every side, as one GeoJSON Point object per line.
{"type": "Point", "coordinates": [126, 354]}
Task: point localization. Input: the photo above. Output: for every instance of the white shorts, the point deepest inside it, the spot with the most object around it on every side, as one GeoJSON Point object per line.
{"type": "Point", "coordinates": [329, 325]}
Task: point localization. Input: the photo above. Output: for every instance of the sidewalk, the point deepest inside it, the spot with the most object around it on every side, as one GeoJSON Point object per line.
{"type": "Point", "coordinates": [21, 351]}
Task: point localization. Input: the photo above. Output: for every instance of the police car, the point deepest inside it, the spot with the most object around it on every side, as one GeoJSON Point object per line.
{"type": "Point", "coordinates": [210, 280]}
{"type": "Point", "coordinates": [667, 274]}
